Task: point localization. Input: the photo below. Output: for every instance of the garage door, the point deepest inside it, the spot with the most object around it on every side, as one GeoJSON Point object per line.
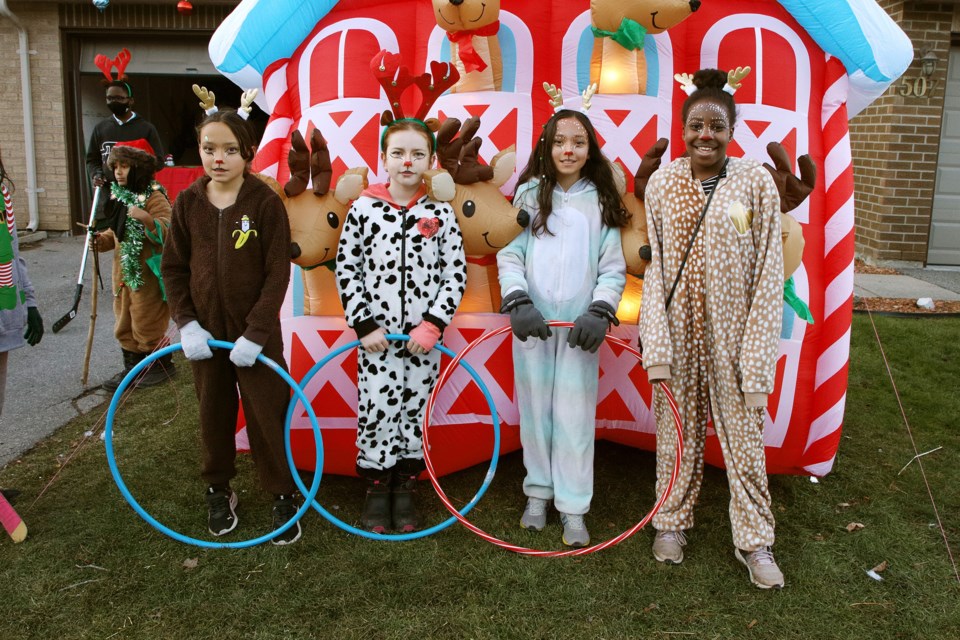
{"type": "Point", "coordinates": [944, 247]}
{"type": "Point", "coordinates": [169, 56]}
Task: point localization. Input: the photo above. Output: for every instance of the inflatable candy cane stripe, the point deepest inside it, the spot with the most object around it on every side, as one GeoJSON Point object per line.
{"type": "Point", "coordinates": [6, 268]}
{"type": "Point", "coordinates": [838, 254]}
{"type": "Point", "coordinates": [271, 154]}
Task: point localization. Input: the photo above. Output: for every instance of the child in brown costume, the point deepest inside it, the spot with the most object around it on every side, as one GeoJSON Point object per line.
{"type": "Point", "coordinates": [138, 214]}
{"type": "Point", "coordinates": [226, 267]}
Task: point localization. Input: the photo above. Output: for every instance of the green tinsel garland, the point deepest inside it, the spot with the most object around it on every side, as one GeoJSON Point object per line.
{"type": "Point", "coordinates": [131, 269]}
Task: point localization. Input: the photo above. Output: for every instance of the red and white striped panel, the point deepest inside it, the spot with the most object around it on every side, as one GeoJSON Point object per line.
{"type": "Point", "coordinates": [830, 388]}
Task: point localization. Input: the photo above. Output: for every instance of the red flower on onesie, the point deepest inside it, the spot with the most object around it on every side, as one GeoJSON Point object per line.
{"type": "Point", "coordinates": [428, 226]}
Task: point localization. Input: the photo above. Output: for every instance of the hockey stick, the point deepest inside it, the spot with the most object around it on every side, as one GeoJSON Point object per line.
{"type": "Point", "coordinates": [12, 521]}
{"type": "Point", "coordinates": [70, 315]}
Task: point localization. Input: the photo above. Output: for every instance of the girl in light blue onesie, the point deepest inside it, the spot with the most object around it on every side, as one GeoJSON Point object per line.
{"type": "Point", "coordinates": [568, 265]}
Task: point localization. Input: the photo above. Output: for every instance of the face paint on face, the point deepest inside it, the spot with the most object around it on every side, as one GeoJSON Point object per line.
{"type": "Point", "coordinates": [706, 133]}
{"type": "Point", "coordinates": [406, 158]}
{"type": "Point", "coordinates": [220, 154]}
{"type": "Point", "coordinates": [571, 146]}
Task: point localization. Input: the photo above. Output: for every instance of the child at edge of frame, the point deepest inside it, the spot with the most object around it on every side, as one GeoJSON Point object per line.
{"type": "Point", "coordinates": [226, 266]}
{"type": "Point", "coordinates": [400, 269]}
{"type": "Point", "coordinates": [568, 265]}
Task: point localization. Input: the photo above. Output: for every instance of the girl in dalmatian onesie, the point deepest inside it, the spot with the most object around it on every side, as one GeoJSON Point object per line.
{"type": "Point", "coordinates": [226, 266]}
{"type": "Point", "coordinates": [568, 265]}
{"type": "Point", "coordinates": [400, 269]}
{"type": "Point", "coordinates": [710, 323]}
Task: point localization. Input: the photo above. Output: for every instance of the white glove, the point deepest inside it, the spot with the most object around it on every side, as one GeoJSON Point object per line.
{"type": "Point", "coordinates": [194, 338]}
{"type": "Point", "coordinates": [244, 352]}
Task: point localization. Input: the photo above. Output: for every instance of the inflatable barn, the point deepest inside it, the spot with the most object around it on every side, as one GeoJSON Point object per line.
{"type": "Point", "coordinates": [816, 63]}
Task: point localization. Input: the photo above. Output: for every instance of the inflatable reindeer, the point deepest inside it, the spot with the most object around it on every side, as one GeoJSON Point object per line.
{"type": "Point", "coordinates": [619, 28]}
{"type": "Point", "coordinates": [316, 218]}
{"type": "Point", "coordinates": [487, 219]}
{"type": "Point", "coordinates": [472, 27]}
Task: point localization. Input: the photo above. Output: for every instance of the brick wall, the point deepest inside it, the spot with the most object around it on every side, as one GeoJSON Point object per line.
{"type": "Point", "coordinates": [895, 143]}
{"type": "Point", "coordinates": [40, 20]}
{"type": "Point", "coordinates": [43, 21]}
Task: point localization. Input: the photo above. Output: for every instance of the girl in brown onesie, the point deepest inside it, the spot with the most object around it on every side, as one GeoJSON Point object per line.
{"type": "Point", "coordinates": [226, 267]}
{"type": "Point", "coordinates": [710, 322]}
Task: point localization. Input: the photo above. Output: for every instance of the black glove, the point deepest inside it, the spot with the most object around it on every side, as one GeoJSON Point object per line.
{"type": "Point", "coordinates": [34, 327]}
{"type": "Point", "coordinates": [525, 320]}
{"type": "Point", "coordinates": [591, 327]}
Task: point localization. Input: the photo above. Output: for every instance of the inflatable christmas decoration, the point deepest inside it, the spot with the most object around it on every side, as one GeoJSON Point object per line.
{"type": "Point", "coordinates": [815, 64]}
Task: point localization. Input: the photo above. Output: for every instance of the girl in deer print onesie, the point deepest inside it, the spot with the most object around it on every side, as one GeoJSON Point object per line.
{"type": "Point", "coordinates": [710, 323]}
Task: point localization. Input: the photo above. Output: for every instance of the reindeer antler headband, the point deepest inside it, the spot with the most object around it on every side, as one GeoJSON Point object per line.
{"type": "Point", "coordinates": [120, 62]}
{"type": "Point", "coordinates": [208, 101]}
{"type": "Point", "coordinates": [734, 78]}
{"type": "Point", "coordinates": [396, 79]}
{"type": "Point", "coordinates": [556, 97]}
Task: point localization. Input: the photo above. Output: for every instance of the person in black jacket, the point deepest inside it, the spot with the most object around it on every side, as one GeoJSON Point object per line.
{"type": "Point", "coordinates": [123, 126]}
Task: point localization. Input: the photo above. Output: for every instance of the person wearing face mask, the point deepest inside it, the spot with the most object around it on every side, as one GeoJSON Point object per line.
{"type": "Point", "coordinates": [123, 126]}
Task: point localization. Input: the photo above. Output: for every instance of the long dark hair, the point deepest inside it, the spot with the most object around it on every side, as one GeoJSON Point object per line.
{"type": "Point", "coordinates": [138, 179]}
{"type": "Point", "coordinates": [709, 84]}
{"type": "Point", "coordinates": [597, 169]}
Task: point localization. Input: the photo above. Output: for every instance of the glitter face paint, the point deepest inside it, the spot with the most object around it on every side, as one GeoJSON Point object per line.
{"type": "Point", "coordinates": [571, 146]}
{"type": "Point", "coordinates": [706, 133]}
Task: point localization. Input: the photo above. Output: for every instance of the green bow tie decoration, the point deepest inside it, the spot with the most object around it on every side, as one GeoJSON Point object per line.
{"type": "Point", "coordinates": [630, 35]}
{"type": "Point", "coordinates": [795, 302]}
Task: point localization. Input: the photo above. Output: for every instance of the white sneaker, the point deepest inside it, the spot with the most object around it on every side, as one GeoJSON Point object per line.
{"type": "Point", "coordinates": [575, 532]}
{"type": "Point", "coordinates": [534, 516]}
{"type": "Point", "coordinates": [764, 571]}
{"type": "Point", "coordinates": [668, 546]}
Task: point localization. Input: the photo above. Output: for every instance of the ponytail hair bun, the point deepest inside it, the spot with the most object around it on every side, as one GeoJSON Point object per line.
{"type": "Point", "coordinates": [710, 79]}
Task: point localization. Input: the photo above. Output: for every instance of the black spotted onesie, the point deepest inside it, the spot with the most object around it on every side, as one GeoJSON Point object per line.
{"type": "Point", "coordinates": [396, 266]}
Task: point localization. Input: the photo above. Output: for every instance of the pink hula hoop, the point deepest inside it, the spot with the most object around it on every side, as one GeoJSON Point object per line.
{"type": "Point", "coordinates": [517, 548]}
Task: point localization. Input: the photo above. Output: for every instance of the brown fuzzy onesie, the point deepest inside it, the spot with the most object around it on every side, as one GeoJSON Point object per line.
{"type": "Point", "coordinates": [228, 270]}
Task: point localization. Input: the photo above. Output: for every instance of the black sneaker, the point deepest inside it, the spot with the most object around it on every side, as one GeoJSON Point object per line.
{"type": "Point", "coordinates": [284, 508]}
{"type": "Point", "coordinates": [222, 506]}
{"type": "Point", "coordinates": [158, 373]}
{"type": "Point", "coordinates": [112, 384]}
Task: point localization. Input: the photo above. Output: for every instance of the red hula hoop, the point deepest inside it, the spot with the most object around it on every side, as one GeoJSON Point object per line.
{"type": "Point", "coordinates": [517, 548]}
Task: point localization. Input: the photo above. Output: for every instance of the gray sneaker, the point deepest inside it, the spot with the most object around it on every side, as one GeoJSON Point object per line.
{"type": "Point", "coordinates": [764, 571]}
{"type": "Point", "coordinates": [222, 518]}
{"type": "Point", "coordinates": [534, 516]}
{"type": "Point", "coordinates": [575, 532]}
{"type": "Point", "coordinates": [668, 546]}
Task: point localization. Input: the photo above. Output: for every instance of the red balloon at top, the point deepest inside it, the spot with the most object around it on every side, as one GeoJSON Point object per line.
{"type": "Point", "coordinates": [185, 7]}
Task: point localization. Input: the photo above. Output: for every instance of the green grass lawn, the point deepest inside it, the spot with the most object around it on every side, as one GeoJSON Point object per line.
{"type": "Point", "coordinates": [91, 568]}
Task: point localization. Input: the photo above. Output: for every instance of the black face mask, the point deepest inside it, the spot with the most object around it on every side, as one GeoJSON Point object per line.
{"type": "Point", "coordinates": [118, 108]}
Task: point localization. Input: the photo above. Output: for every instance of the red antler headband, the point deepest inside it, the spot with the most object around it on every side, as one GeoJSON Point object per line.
{"type": "Point", "coordinates": [396, 79]}
{"type": "Point", "coordinates": [106, 65]}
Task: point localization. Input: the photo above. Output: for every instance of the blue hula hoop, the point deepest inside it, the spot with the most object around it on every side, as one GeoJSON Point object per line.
{"type": "Point", "coordinates": [401, 537]}
{"type": "Point", "coordinates": [308, 497]}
